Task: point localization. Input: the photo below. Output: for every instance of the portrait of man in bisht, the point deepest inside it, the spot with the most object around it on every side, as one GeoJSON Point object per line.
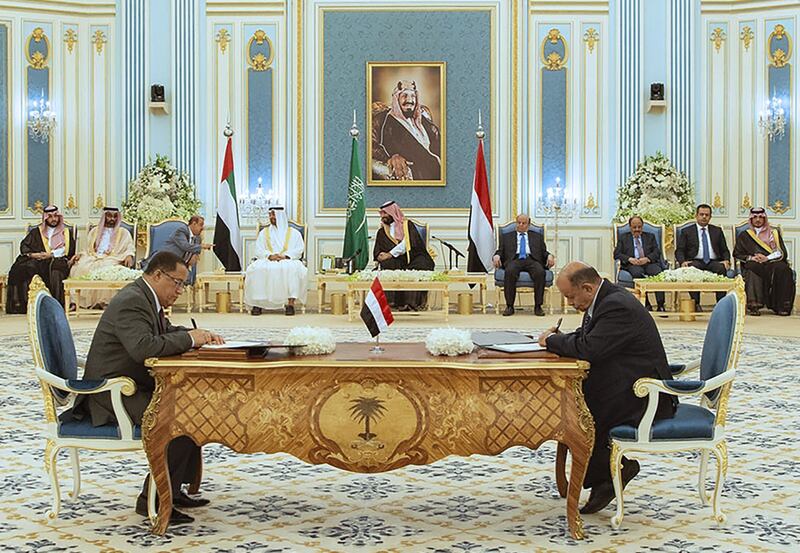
{"type": "Point", "coordinates": [406, 143]}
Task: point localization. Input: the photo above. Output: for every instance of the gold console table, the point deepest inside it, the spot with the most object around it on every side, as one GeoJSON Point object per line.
{"type": "Point", "coordinates": [369, 413]}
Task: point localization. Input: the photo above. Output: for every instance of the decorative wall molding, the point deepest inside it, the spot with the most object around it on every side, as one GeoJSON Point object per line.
{"type": "Point", "coordinates": [184, 77]}
{"type": "Point", "coordinates": [682, 84]}
{"type": "Point", "coordinates": [629, 88]}
{"type": "Point", "coordinates": [136, 89]}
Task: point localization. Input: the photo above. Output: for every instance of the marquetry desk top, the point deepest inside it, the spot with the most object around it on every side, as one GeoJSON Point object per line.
{"type": "Point", "coordinates": [366, 412]}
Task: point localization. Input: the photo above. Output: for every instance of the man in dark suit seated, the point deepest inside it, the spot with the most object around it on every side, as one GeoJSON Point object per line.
{"type": "Point", "coordinates": [639, 254]}
{"type": "Point", "coordinates": [133, 328]}
{"type": "Point", "coordinates": [523, 251]}
{"type": "Point", "coordinates": [704, 247]}
{"type": "Point", "coordinates": [621, 342]}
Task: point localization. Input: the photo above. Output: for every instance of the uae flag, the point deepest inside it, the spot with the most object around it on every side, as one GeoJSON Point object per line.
{"type": "Point", "coordinates": [375, 312]}
{"type": "Point", "coordinates": [227, 240]}
{"type": "Point", "coordinates": [481, 229]}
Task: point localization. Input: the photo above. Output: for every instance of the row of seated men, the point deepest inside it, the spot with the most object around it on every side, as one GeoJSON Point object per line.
{"type": "Point", "coordinates": [769, 280]}
{"type": "Point", "coordinates": [277, 276]}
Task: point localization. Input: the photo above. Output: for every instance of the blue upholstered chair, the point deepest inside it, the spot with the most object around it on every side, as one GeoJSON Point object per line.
{"type": "Point", "coordinates": [157, 235]}
{"type": "Point", "coordinates": [525, 281]}
{"type": "Point", "coordinates": [422, 229]}
{"type": "Point", "coordinates": [56, 367]}
{"type": "Point", "coordinates": [678, 229]}
{"type": "Point", "coordinates": [694, 427]}
{"type": "Point", "coordinates": [623, 277]}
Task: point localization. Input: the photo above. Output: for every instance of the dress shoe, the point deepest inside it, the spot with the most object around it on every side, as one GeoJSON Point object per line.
{"type": "Point", "coordinates": [508, 311]}
{"type": "Point", "coordinates": [255, 311]}
{"type": "Point", "coordinates": [289, 310]}
{"type": "Point", "coordinates": [175, 517]}
{"type": "Point", "coordinates": [182, 500]}
{"type": "Point", "coordinates": [603, 493]}
{"type": "Point", "coordinates": [538, 311]}
{"type": "Point", "coordinates": [753, 311]}
{"type": "Point", "coordinates": [661, 308]}
{"type": "Point", "coordinates": [784, 313]}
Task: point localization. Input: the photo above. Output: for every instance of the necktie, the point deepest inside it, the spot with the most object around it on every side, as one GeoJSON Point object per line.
{"type": "Point", "coordinates": [162, 321]}
{"type": "Point", "coordinates": [523, 248]}
{"type": "Point", "coordinates": [637, 247]}
{"type": "Point", "coordinates": [587, 319]}
{"type": "Point", "coordinates": [706, 247]}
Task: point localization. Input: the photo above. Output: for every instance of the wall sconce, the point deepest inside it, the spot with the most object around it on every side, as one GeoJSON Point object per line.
{"type": "Point", "coordinates": [41, 120]}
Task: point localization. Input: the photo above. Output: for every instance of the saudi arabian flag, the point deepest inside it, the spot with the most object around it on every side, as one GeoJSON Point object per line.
{"type": "Point", "coordinates": [356, 237]}
{"type": "Point", "coordinates": [227, 239]}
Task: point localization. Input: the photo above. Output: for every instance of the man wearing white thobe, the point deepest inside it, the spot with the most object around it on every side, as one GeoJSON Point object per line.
{"type": "Point", "coordinates": [277, 275]}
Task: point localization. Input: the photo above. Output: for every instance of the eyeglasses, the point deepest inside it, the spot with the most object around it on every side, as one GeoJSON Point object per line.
{"type": "Point", "coordinates": [179, 284]}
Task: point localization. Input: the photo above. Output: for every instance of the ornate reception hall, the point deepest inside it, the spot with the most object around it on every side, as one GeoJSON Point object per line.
{"type": "Point", "coordinates": [349, 276]}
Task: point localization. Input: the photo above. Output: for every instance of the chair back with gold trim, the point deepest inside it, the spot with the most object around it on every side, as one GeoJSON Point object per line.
{"type": "Point", "coordinates": [623, 277]}
{"type": "Point", "coordinates": [299, 227]}
{"type": "Point", "coordinates": [423, 231]}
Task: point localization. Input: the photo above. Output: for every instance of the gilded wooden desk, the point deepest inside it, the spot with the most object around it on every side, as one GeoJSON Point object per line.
{"type": "Point", "coordinates": [366, 412]}
{"type": "Point", "coordinates": [74, 286]}
{"type": "Point", "coordinates": [205, 280]}
{"type": "Point", "coordinates": [642, 286]}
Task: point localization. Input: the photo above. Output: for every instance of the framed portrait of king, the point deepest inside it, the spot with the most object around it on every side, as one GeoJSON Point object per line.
{"type": "Point", "coordinates": [406, 107]}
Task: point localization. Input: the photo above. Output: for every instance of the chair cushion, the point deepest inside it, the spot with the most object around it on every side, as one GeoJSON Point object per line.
{"type": "Point", "coordinates": [84, 429]}
{"type": "Point", "coordinates": [524, 280]}
{"type": "Point", "coordinates": [690, 422]}
{"type": "Point", "coordinates": [55, 340]}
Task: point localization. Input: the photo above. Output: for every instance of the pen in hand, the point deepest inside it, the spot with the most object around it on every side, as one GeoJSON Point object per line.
{"type": "Point", "coordinates": [558, 325]}
{"type": "Point", "coordinates": [194, 323]}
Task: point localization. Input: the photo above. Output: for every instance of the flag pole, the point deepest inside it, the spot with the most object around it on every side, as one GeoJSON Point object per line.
{"type": "Point", "coordinates": [377, 347]}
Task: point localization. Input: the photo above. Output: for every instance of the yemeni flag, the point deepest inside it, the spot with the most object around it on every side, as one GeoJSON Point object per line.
{"type": "Point", "coordinates": [375, 312]}
{"type": "Point", "coordinates": [481, 229]}
{"type": "Point", "coordinates": [356, 238]}
{"type": "Point", "coordinates": [227, 239]}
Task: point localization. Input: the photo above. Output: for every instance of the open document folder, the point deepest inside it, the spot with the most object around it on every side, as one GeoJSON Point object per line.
{"type": "Point", "coordinates": [506, 341]}
{"type": "Point", "coordinates": [236, 345]}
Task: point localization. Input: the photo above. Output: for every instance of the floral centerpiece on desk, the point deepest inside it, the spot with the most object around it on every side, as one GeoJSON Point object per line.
{"type": "Point", "coordinates": [686, 274]}
{"type": "Point", "coordinates": [113, 272]}
{"type": "Point", "coordinates": [656, 191]}
{"type": "Point", "coordinates": [395, 275]}
{"type": "Point", "coordinates": [316, 341]}
{"type": "Point", "coordinates": [449, 341]}
{"type": "Point", "coordinates": [159, 192]}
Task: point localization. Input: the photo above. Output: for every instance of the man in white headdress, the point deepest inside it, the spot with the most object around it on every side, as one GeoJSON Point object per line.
{"type": "Point", "coordinates": [277, 275]}
{"type": "Point", "coordinates": [109, 244]}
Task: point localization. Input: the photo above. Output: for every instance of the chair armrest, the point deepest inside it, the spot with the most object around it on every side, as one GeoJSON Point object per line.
{"type": "Point", "coordinates": [678, 370]}
{"type": "Point", "coordinates": [82, 362]}
{"type": "Point", "coordinates": [652, 387]}
{"type": "Point", "coordinates": [115, 386]}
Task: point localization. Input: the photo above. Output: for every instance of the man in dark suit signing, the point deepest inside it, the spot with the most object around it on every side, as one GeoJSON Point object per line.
{"type": "Point", "coordinates": [638, 253]}
{"type": "Point", "coordinates": [619, 339]}
{"type": "Point", "coordinates": [523, 250]}
{"type": "Point", "coordinates": [133, 328]}
{"type": "Point", "coordinates": [703, 246]}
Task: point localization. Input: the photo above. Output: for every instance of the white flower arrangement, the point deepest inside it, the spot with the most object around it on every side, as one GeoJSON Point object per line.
{"type": "Point", "coordinates": [686, 274]}
{"type": "Point", "coordinates": [394, 275]}
{"type": "Point", "coordinates": [160, 191]}
{"type": "Point", "coordinates": [112, 272]}
{"type": "Point", "coordinates": [656, 191]}
{"type": "Point", "coordinates": [449, 341]}
{"type": "Point", "coordinates": [317, 341]}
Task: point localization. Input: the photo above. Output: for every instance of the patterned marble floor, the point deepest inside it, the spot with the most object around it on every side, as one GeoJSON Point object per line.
{"type": "Point", "coordinates": [503, 504]}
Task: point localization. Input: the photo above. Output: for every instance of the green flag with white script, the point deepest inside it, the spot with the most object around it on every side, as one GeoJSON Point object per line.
{"type": "Point", "coordinates": [356, 237]}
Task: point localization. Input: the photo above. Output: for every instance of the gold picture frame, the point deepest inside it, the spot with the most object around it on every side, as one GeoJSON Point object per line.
{"type": "Point", "coordinates": [327, 263]}
{"type": "Point", "coordinates": [406, 123]}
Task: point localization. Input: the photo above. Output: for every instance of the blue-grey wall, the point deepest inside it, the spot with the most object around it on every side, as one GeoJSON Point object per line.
{"type": "Point", "coordinates": [655, 69]}
{"type": "Point", "coordinates": [5, 124]}
{"type": "Point", "coordinates": [351, 39]}
{"type": "Point", "coordinates": [160, 71]}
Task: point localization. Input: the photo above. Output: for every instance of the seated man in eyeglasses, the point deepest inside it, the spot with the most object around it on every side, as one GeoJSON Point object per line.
{"type": "Point", "coordinates": [133, 328]}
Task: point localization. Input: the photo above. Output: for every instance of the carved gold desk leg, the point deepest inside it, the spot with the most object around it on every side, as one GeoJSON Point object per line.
{"type": "Point", "coordinates": [561, 473]}
{"type": "Point", "coordinates": [579, 438]}
{"type": "Point", "coordinates": [156, 438]}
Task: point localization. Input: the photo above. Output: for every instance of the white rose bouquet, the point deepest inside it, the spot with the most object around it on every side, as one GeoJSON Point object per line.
{"type": "Point", "coordinates": [317, 341]}
{"type": "Point", "coordinates": [392, 275]}
{"type": "Point", "coordinates": [160, 191]}
{"type": "Point", "coordinates": [449, 341]}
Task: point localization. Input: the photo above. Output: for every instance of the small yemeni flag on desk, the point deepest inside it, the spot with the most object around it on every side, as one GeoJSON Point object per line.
{"type": "Point", "coordinates": [227, 239]}
{"type": "Point", "coordinates": [481, 229]}
{"type": "Point", "coordinates": [375, 312]}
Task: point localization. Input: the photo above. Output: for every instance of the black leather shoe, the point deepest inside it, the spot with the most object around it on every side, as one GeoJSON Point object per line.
{"type": "Point", "coordinates": [603, 493]}
{"type": "Point", "coordinates": [175, 517]}
{"type": "Point", "coordinates": [754, 312]}
{"type": "Point", "coordinates": [538, 311]}
{"type": "Point", "coordinates": [661, 308]}
{"type": "Point", "coordinates": [508, 311]}
{"type": "Point", "coordinates": [698, 309]}
{"type": "Point", "coordinates": [183, 500]}
{"type": "Point", "coordinates": [255, 311]}
{"type": "Point", "coordinates": [289, 310]}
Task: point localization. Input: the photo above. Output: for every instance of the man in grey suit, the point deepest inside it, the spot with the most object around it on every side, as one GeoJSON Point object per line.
{"type": "Point", "coordinates": [133, 328]}
{"type": "Point", "coordinates": [186, 242]}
